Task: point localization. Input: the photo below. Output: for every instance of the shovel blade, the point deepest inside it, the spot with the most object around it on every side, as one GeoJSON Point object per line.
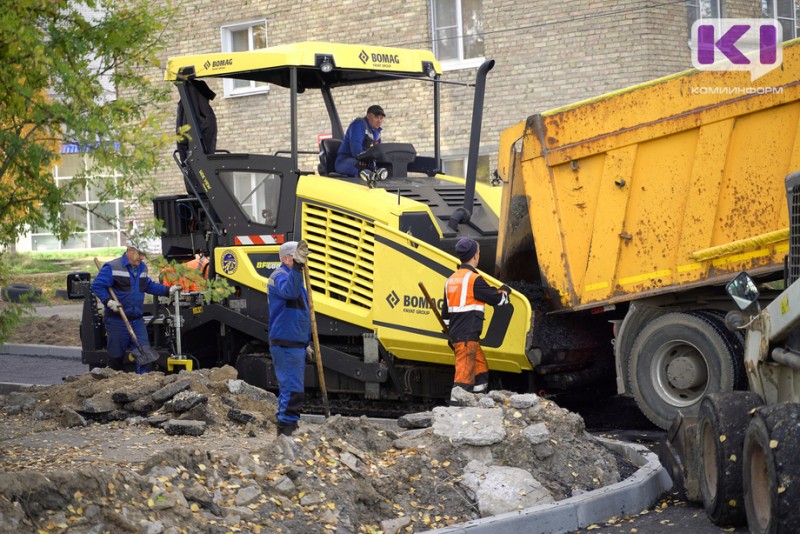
{"type": "Point", "coordinates": [145, 355]}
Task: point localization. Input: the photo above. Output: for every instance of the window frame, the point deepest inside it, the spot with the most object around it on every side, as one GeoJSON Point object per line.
{"type": "Point", "coordinates": [226, 40]}
{"type": "Point", "coordinates": [461, 62]}
{"type": "Point", "coordinates": [766, 4]}
{"type": "Point", "coordinates": [85, 200]}
{"type": "Point", "coordinates": [697, 5]}
{"type": "Point", "coordinates": [252, 202]}
{"type": "Point", "coordinates": [462, 158]}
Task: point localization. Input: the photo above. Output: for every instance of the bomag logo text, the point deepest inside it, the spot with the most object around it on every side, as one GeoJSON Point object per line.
{"type": "Point", "coordinates": [418, 305]}
{"type": "Point", "coordinates": [385, 58]}
{"type": "Point", "coordinates": [221, 63]}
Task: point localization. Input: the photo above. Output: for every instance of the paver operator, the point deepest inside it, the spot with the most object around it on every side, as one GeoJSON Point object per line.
{"type": "Point", "coordinates": [363, 133]}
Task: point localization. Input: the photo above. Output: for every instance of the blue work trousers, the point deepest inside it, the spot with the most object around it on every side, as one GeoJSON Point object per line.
{"type": "Point", "coordinates": [290, 366]}
{"type": "Point", "coordinates": [348, 166]}
{"type": "Point", "coordinates": [120, 342]}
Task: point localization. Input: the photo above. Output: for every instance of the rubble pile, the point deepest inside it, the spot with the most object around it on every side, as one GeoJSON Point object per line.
{"type": "Point", "coordinates": [197, 452]}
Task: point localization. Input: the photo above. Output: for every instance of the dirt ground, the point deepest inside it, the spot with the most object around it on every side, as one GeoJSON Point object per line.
{"type": "Point", "coordinates": [53, 330]}
{"type": "Point", "coordinates": [123, 473]}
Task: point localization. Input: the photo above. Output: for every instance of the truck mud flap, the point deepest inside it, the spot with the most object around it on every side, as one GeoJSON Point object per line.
{"type": "Point", "coordinates": [677, 454]}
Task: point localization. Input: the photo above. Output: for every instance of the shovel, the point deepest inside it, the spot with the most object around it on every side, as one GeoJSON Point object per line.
{"type": "Point", "coordinates": [146, 354]}
{"type": "Point", "coordinates": [434, 308]}
{"type": "Point", "coordinates": [315, 338]}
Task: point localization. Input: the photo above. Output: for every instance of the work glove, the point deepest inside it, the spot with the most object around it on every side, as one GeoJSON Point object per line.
{"type": "Point", "coordinates": [301, 253]}
{"type": "Point", "coordinates": [113, 305]}
{"type": "Point", "coordinates": [309, 354]}
{"type": "Point", "coordinates": [174, 289]}
{"type": "Point", "coordinates": [506, 291]}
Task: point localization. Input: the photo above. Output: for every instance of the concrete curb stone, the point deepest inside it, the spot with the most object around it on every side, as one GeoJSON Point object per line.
{"type": "Point", "coordinates": [630, 496]}
{"type": "Point", "coordinates": [53, 351]}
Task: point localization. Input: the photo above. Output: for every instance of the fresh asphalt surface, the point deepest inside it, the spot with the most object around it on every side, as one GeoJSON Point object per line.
{"type": "Point", "coordinates": [613, 417]}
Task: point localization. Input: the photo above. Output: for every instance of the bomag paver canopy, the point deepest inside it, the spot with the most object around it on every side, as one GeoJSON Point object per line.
{"type": "Point", "coordinates": [350, 64]}
{"type": "Point", "coordinates": [317, 66]}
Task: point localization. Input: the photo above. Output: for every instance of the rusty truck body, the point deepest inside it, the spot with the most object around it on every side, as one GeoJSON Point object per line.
{"type": "Point", "coordinates": [639, 206]}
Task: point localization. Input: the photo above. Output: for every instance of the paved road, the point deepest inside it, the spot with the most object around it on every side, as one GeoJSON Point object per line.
{"type": "Point", "coordinates": [619, 418]}
{"type": "Point", "coordinates": [37, 369]}
{"type": "Point", "coordinates": [669, 516]}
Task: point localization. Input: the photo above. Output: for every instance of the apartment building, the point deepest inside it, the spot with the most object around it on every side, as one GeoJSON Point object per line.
{"type": "Point", "coordinates": [547, 54]}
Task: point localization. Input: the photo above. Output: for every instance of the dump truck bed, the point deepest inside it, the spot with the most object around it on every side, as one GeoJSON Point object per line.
{"type": "Point", "coordinates": [657, 188]}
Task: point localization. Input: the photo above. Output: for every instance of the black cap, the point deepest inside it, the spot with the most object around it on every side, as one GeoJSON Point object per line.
{"type": "Point", "coordinates": [466, 248]}
{"type": "Point", "coordinates": [376, 110]}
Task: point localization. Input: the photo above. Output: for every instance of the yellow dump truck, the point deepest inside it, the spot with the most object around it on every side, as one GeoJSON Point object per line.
{"type": "Point", "coordinates": [635, 208]}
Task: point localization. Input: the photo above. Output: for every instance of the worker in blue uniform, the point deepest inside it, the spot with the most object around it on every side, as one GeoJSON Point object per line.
{"type": "Point", "coordinates": [127, 276]}
{"type": "Point", "coordinates": [289, 332]}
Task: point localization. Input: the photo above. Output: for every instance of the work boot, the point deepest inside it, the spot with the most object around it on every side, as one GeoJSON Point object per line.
{"type": "Point", "coordinates": [461, 397]}
{"type": "Point", "coordinates": [285, 429]}
{"type": "Point", "coordinates": [114, 363]}
{"type": "Point", "coordinates": [366, 175]}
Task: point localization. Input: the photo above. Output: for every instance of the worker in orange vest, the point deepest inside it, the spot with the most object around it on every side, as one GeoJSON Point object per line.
{"type": "Point", "coordinates": [466, 295]}
{"type": "Point", "coordinates": [199, 263]}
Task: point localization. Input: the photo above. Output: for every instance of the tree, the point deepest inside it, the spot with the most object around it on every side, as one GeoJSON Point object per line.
{"type": "Point", "coordinates": [77, 72]}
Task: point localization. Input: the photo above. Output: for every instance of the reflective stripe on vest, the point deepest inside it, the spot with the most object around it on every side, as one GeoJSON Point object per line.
{"type": "Point", "coordinates": [121, 276]}
{"type": "Point", "coordinates": [460, 297]}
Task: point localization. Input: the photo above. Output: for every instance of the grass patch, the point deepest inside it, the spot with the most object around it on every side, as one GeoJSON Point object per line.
{"type": "Point", "coordinates": [56, 262]}
{"type": "Point", "coordinates": [48, 270]}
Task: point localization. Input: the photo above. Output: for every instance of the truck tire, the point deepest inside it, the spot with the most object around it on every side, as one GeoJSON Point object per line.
{"type": "Point", "coordinates": [771, 467]}
{"type": "Point", "coordinates": [721, 425]}
{"type": "Point", "coordinates": [675, 360]}
{"type": "Point", "coordinates": [20, 293]}
{"type": "Point", "coordinates": [735, 341]}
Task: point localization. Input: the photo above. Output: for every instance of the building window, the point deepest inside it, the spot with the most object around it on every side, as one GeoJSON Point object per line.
{"type": "Point", "coordinates": [242, 38]}
{"type": "Point", "coordinates": [703, 9]}
{"type": "Point", "coordinates": [785, 12]}
{"type": "Point", "coordinates": [457, 166]}
{"type": "Point", "coordinates": [98, 223]}
{"type": "Point", "coordinates": [457, 32]}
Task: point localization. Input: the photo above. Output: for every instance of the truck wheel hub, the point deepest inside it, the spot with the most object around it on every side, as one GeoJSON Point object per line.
{"type": "Point", "coordinates": [686, 372]}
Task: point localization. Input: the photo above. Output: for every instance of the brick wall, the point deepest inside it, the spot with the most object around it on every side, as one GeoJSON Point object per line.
{"type": "Point", "coordinates": [547, 54]}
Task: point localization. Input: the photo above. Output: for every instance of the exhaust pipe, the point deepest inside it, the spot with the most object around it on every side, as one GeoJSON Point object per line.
{"type": "Point", "coordinates": [463, 213]}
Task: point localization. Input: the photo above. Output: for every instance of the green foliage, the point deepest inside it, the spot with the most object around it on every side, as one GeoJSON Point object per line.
{"type": "Point", "coordinates": [172, 272]}
{"type": "Point", "coordinates": [11, 315]}
{"type": "Point", "coordinates": [76, 72]}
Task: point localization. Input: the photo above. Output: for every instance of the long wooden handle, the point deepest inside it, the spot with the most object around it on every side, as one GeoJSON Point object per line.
{"type": "Point", "coordinates": [432, 304]}
{"type": "Point", "coordinates": [121, 312]}
{"type": "Point", "coordinates": [315, 338]}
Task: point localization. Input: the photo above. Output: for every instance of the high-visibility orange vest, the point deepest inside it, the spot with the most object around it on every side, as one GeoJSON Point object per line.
{"type": "Point", "coordinates": [460, 297]}
{"type": "Point", "coordinates": [187, 285]}
{"type": "Point", "coordinates": [201, 264]}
